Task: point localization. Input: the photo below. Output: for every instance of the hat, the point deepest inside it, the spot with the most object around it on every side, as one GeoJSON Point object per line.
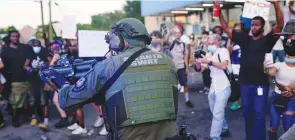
{"type": "Point", "coordinates": [289, 28]}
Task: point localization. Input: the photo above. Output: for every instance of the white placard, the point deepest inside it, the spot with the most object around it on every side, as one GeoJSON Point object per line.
{"type": "Point", "coordinates": [92, 43]}
{"type": "Point", "coordinates": [254, 8]}
{"type": "Point", "coordinates": [58, 29]}
{"type": "Point", "coordinates": [69, 27]}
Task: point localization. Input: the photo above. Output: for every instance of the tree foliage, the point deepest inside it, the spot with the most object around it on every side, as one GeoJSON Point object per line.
{"type": "Point", "coordinates": [103, 21]}
{"type": "Point", "coordinates": [132, 9]}
{"type": "Point", "coordinates": [6, 30]}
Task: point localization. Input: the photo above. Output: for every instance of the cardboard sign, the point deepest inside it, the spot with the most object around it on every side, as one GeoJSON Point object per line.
{"type": "Point", "coordinates": [69, 27]}
{"type": "Point", "coordinates": [92, 43]}
{"type": "Point", "coordinates": [254, 8]}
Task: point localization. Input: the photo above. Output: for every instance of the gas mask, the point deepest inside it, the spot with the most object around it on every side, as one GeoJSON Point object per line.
{"type": "Point", "coordinates": [114, 43]}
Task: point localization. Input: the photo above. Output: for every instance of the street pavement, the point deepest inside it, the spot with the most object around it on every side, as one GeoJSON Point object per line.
{"type": "Point", "coordinates": [197, 119]}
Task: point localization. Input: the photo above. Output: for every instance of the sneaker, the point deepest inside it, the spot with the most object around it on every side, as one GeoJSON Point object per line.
{"type": "Point", "coordinates": [103, 131]}
{"type": "Point", "coordinates": [99, 122]}
{"type": "Point", "coordinates": [179, 86]}
{"type": "Point", "coordinates": [73, 127]}
{"type": "Point", "coordinates": [43, 127]}
{"type": "Point", "coordinates": [33, 122]}
{"type": "Point", "coordinates": [62, 123]}
{"type": "Point", "coordinates": [235, 106]}
{"type": "Point", "coordinates": [189, 104]}
{"type": "Point", "coordinates": [79, 131]}
{"type": "Point", "coordinates": [225, 134]}
{"type": "Point", "coordinates": [182, 89]}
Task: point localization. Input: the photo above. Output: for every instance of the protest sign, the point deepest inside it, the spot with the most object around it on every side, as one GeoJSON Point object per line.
{"type": "Point", "coordinates": [27, 33]}
{"type": "Point", "coordinates": [69, 27]}
{"type": "Point", "coordinates": [254, 8]}
{"type": "Point", "coordinates": [58, 29]}
{"type": "Point", "coordinates": [92, 43]}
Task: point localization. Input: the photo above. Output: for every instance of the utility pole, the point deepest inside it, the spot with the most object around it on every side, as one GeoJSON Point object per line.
{"type": "Point", "coordinates": [50, 34]}
{"type": "Point", "coordinates": [43, 26]}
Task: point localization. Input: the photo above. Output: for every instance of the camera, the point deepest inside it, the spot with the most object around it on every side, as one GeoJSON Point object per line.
{"type": "Point", "coordinates": [199, 53]}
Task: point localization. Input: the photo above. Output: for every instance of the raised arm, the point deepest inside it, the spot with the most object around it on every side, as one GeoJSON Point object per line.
{"type": "Point", "coordinates": [224, 24]}
{"type": "Point", "coordinates": [279, 16]}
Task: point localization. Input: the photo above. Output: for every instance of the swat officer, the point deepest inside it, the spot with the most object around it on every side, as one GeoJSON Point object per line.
{"type": "Point", "coordinates": [137, 87]}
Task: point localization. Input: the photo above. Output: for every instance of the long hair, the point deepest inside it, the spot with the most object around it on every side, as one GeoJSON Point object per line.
{"type": "Point", "coordinates": [8, 41]}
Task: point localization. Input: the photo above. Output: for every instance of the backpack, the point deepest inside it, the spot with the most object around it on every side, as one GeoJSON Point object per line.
{"type": "Point", "coordinates": [173, 44]}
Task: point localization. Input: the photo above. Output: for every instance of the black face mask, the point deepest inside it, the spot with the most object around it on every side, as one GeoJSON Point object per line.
{"type": "Point", "coordinates": [259, 32]}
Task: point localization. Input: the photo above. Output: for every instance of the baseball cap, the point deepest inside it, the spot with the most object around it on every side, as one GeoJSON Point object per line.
{"type": "Point", "coordinates": [289, 28]}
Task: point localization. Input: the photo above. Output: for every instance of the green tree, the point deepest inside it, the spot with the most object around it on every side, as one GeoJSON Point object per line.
{"type": "Point", "coordinates": [103, 21]}
{"type": "Point", "coordinates": [132, 9]}
{"type": "Point", "coordinates": [85, 27]}
{"type": "Point", "coordinates": [7, 29]}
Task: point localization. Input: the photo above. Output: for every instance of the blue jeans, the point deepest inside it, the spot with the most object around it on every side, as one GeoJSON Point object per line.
{"type": "Point", "coordinates": [254, 108]}
{"type": "Point", "coordinates": [278, 54]}
{"type": "Point", "coordinates": [275, 116]}
{"type": "Point", "coordinates": [217, 103]}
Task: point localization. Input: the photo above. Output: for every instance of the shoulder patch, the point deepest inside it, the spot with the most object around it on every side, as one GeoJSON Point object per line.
{"type": "Point", "coordinates": [80, 84]}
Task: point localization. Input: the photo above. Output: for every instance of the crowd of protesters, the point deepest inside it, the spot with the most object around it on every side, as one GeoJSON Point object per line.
{"type": "Point", "coordinates": [24, 90]}
{"type": "Point", "coordinates": [233, 68]}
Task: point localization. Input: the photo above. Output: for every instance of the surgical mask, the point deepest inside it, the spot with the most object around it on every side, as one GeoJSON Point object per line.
{"type": "Point", "coordinates": [290, 61]}
{"type": "Point", "coordinates": [212, 48]}
{"type": "Point", "coordinates": [37, 49]}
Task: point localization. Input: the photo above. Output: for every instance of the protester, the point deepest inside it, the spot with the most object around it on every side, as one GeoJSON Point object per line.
{"type": "Point", "coordinates": [191, 48]}
{"type": "Point", "coordinates": [285, 77]}
{"type": "Point", "coordinates": [218, 30]}
{"type": "Point", "coordinates": [235, 57]}
{"type": "Point", "coordinates": [16, 58]}
{"type": "Point", "coordinates": [206, 73]}
{"type": "Point", "coordinates": [41, 56]}
{"type": "Point", "coordinates": [253, 80]}
{"type": "Point", "coordinates": [180, 57]}
{"type": "Point", "coordinates": [219, 91]}
{"type": "Point", "coordinates": [157, 43]}
{"type": "Point", "coordinates": [278, 51]}
{"type": "Point", "coordinates": [2, 81]}
{"type": "Point", "coordinates": [56, 50]}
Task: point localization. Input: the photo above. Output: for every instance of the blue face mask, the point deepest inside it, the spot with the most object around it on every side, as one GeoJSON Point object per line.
{"type": "Point", "coordinates": [212, 48]}
{"type": "Point", "coordinates": [290, 61]}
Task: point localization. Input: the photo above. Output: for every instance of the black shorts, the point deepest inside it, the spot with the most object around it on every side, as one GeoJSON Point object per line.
{"type": "Point", "coordinates": [182, 77]}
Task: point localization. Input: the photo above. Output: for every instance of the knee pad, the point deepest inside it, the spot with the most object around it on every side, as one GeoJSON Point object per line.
{"type": "Point", "coordinates": [287, 121]}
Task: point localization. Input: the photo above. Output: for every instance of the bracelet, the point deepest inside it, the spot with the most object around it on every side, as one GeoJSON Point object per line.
{"type": "Point", "coordinates": [210, 63]}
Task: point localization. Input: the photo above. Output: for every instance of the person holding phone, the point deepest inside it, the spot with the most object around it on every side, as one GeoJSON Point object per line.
{"type": "Point", "coordinates": [285, 78]}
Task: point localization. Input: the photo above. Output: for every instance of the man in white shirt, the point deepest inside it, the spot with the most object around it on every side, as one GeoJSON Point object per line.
{"type": "Point", "coordinates": [220, 89]}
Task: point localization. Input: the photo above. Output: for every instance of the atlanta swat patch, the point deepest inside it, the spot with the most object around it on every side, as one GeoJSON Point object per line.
{"type": "Point", "coordinates": [80, 85]}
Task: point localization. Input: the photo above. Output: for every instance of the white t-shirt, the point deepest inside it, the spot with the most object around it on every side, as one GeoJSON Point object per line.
{"type": "Point", "coordinates": [279, 45]}
{"type": "Point", "coordinates": [285, 75]}
{"type": "Point", "coordinates": [219, 80]}
{"type": "Point", "coordinates": [184, 38]}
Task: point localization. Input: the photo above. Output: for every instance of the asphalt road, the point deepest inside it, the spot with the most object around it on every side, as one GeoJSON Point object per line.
{"type": "Point", "coordinates": [197, 119]}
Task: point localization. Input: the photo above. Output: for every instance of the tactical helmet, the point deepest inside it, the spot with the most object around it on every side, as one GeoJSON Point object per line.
{"type": "Point", "coordinates": [131, 28]}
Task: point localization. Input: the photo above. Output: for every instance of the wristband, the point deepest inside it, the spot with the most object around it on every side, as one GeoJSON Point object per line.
{"type": "Point", "coordinates": [210, 63]}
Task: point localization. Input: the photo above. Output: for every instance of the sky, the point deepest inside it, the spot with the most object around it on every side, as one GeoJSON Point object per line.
{"type": "Point", "coordinates": [28, 12]}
